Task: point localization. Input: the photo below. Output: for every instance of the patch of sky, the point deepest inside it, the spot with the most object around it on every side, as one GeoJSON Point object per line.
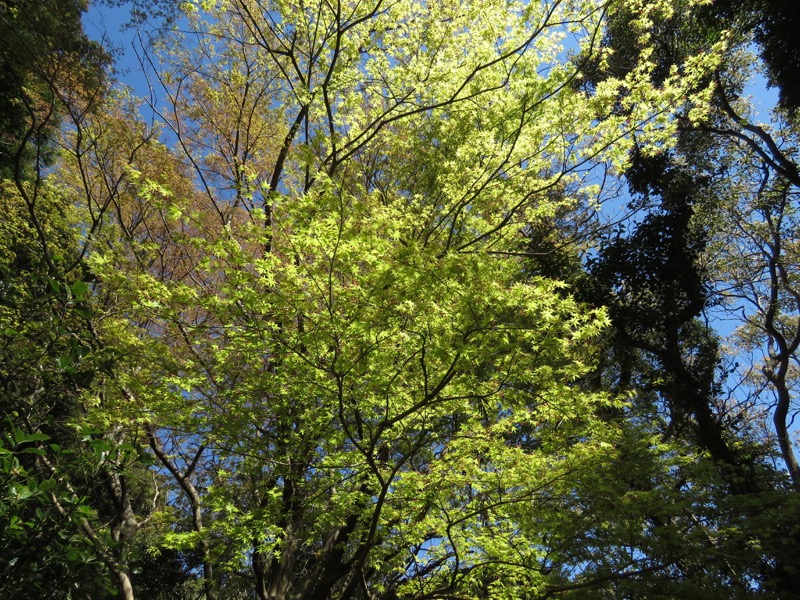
{"type": "Point", "coordinates": [763, 98]}
{"type": "Point", "coordinates": [111, 26]}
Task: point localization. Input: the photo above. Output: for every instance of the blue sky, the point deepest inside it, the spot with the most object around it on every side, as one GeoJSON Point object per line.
{"type": "Point", "coordinates": [106, 24]}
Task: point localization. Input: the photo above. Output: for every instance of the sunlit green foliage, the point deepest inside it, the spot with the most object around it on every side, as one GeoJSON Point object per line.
{"type": "Point", "coordinates": [339, 326]}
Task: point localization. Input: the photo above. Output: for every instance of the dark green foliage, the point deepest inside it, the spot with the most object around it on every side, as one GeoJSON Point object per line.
{"type": "Point", "coordinates": [42, 47]}
{"type": "Point", "coordinates": [686, 33]}
{"type": "Point", "coordinates": [654, 270]}
{"type": "Point", "coordinates": [49, 73]}
{"type": "Point", "coordinates": [774, 24]}
{"type": "Point", "coordinates": [39, 547]}
{"type": "Point", "coordinates": [165, 575]}
{"type": "Point", "coordinates": [650, 275]}
{"type": "Point", "coordinates": [44, 368]}
{"type": "Point", "coordinates": [776, 33]}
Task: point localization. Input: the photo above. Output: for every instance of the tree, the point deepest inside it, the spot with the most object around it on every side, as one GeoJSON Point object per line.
{"type": "Point", "coordinates": [733, 162]}
{"type": "Point", "coordinates": [352, 389]}
{"type": "Point", "coordinates": [73, 486]}
{"type": "Point", "coordinates": [320, 360]}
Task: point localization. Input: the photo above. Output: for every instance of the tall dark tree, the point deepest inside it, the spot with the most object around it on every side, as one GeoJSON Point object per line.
{"type": "Point", "coordinates": [774, 26]}
{"type": "Point", "coordinates": [652, 273]}
{"type": "Point", "coordinates": [68, 491]}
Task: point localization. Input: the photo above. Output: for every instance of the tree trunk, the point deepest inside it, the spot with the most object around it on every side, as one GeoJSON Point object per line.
{"type": "Point", "coordinates": [125, 587]}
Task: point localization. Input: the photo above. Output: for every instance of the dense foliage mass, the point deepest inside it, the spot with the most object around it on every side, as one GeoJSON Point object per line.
{"type": "Point", "coordinates": [400, 300]}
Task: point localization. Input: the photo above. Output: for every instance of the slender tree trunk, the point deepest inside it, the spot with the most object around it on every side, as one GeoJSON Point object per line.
{"type": "Point", "coordinates": [260, 566]}
{"type": "Point", "coordinates": [779, 420]}
{"type": "Point", "coordinates": [125, 586]}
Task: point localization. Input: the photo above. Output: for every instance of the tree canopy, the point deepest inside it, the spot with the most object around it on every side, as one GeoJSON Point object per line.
{"type": "Point", "coordinates": [405, 300]}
